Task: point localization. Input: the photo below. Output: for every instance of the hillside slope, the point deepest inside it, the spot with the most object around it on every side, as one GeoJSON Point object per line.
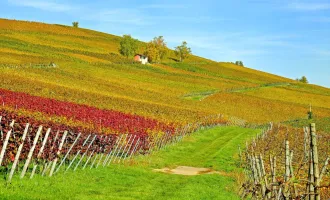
{"type": "Point", "coordinates": [90, 71]}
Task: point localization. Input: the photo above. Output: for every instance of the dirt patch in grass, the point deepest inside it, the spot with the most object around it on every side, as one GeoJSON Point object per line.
{"type": "Point", "coordinates": [190, 171]}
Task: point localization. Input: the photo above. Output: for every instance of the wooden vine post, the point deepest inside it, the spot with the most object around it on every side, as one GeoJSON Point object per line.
{"type": "Point", "coordinates": [274, 174]}
{"type": "Point", "coordinates": [4, 146]}
{"type": "Point", "coordinates": [58, 153]}
{"type": "Point", "coordinates": [82, 157]}
{"type": "Point", "coordinates": [12, 171]}
{"type": "Point", "coordinates": [95, 150]}
{"type": "Point", "coordinates": [254, 170]}
{"type": "Point", "coordinates": [114, 152]}
{"type": "Point", "coordinates": [135, 148]}
{"type": "Point", "coordinates": [259, 171]}
{"type": "Point", "coordinates": [315, 161]}
{"type": "Point", "coordinates": [264, 176]}
{"type": "Point", "coordinates": [31, 152]}
{"type": "Point", "coordinates": [101, 156]}
{"type": "Point", "coordinates": [153, 143]}
{"type": "Point", "coordinates": [168, 140]}
{"type": "Point", "coordinates": [310, 186]}
{"type": "Point", "coordinates": [74, 158]}
{"type": "Point", "coordinates": [121, 147]}
{"type": "Point", "coordinates": [48, 164]}
{"type": "Point", "coordinates": [324, 169]}
{"type": "Point", "coordinates": [66, 155]}
{"type": "Point", "coordinates": [130, 147]}
{"type": "Point", "coordinates": [287, 161]}
{"type": "Point", "coordinates": [306, 143]}
{"type": "Point", "coordinates": [111, 151]}
{"type": "Point", "coordinates": [129, 140]}
{"type": "Point", "coordinates": [40, 152]}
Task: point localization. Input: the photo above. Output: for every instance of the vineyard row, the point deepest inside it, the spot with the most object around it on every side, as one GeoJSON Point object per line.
{"type": "Point", "coordinates": [28, 148]}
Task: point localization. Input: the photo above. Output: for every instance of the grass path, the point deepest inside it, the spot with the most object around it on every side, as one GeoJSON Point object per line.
{"type": "Point", "coordinates": [199, 95]}
{"type": "Point", "coordinates": [214, 148]}
{"type": "Point", "coordinates": [267, 85]}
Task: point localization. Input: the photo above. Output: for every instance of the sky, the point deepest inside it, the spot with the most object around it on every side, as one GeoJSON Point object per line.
{"type": "Point", "coordinates": [290, 38]}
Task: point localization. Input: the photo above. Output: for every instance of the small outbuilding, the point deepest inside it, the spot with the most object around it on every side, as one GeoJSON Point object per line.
{"type": "Point", "coordinates": [141, 58]}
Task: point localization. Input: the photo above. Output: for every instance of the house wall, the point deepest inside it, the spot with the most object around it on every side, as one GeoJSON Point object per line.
{"type": "Point", "coordinates": [144, 61]}
{"type": "Point", "coordinates": [137, 58]}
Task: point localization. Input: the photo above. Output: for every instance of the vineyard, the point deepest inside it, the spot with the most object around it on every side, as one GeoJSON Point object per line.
{"type": "Point", "coordinates": [34, 144]}
{"type": "Point", "coordinates": [85, 59]}
{"type": "Point", "coordinates": [287, 163]}
{"type": "Point", "coordinates": [117, 122]}
{"type": "Point", "coordinates": [44, 149]}
{"type": "Point", "coordinates": [69, 102]}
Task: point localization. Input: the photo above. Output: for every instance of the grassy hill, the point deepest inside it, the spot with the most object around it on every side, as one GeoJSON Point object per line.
{"type": "Point", "coordinates": [89, 70]}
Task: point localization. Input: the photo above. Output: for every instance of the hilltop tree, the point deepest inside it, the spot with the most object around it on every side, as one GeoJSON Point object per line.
{"type": "Point", "coordinates": [128, 46]}
{"type": "Point", "coordinates": [156, 49]}
{"type": "Point", "coordinates": [161, 46]}
{"type": "Point", "coordinates": [152, 52]}
{"type": "Point", "coordinates": [239, 63]}
{"type": "Point", "coordinates": [303, 79]}
{"type": "Point", "coordinates": [182, 51]}
{"type": "Point", "coordinates": [75, 24]}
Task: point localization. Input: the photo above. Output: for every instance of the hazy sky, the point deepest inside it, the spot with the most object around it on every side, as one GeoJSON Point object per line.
{"type": "Point", "coordinates": [289, 38]}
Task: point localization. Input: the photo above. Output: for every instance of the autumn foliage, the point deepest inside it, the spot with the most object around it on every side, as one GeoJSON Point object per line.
{"type": "Point", "coordinates": [117, 122]}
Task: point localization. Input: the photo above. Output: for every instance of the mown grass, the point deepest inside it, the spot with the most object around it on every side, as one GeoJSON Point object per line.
{"type": "Point", "coordinates": [267, 85]}
{"type": "Point", "coordinates": [199, 95]}
{"type": "Point", "coordinates": [214, 148]}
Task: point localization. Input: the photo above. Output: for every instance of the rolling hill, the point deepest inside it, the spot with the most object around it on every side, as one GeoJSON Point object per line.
{"type": "Point", "coordinates": [89, 71]}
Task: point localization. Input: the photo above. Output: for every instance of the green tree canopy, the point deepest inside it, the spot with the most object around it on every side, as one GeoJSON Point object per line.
{"type": "Point", "coordinates": [239, 63]}
{"type": "Point", "coordinates": [75, 24]}
{"type": "Point", "coordinates": [182, 51]}
{"type": "Point", "coordinates": [303, 79]}
{"type": "Point", "coordinates": [128, 46]}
